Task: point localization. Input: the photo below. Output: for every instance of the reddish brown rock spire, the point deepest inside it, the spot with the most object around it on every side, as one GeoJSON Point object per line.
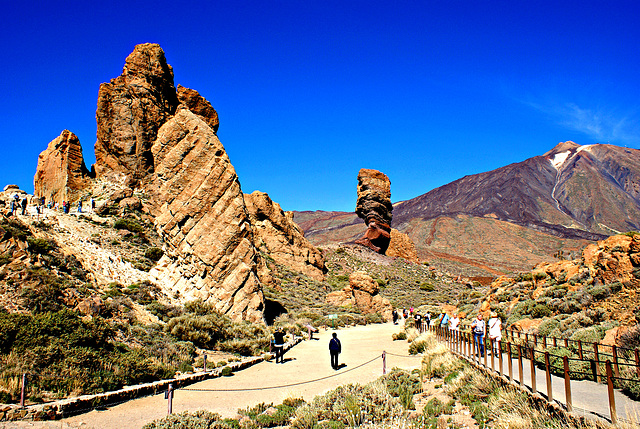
{"type": "Point", "coordinates": [131, 110]}
{"type": "Point", "coordinates": [61, 173]}
{"type": "Point", "coordinates": [199, 105]}
{"type": "Point", "coordinates": [374, 206]}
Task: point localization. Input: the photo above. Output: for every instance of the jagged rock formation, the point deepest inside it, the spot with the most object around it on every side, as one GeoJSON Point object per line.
{"type": "Point", "coordinates": [61, 174]}
{"type": "Point", "coordinates": [362, 293]}
{"type": "Point", "coordinates": [199, 105]}
{"type": "Point", "coordinates": [200, 213]}
{"type": "Point", "coordinates": [131, 110]}
{"type": "Point", "coordinates": [157, 151]}
{"type": "Point", "coordinates": [374, 207]}
{"type": "Point", "coordinates": [277, 235]}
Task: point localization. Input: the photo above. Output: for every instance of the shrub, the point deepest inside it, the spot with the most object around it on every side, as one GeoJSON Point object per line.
{"type": "Point", "coordinates": [153, 253]}
{"type": "Point", "coordinates": [40, 246]}
{"type": "Point", "coordinates": [200, 419]}
{"type": "Point", "coordinates": [129, 225]}
{"type": "Point", "coordinates": [540, 310]}
{"type": "Point", "coordinates": [399, 336]}
{"type": "Point", "coordinates": [227, 371]}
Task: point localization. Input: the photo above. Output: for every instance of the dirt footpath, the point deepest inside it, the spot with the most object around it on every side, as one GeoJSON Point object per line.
{"type": "Point", "coordinates": [268, 381]}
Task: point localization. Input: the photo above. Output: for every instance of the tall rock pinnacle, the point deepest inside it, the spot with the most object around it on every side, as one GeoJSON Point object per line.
{"type": "Point", "coordinates": [374, 207]}
{"type": "Point", "coordinates": [131, 110]}
{"type": "Point", "coordinates": [61, 173]}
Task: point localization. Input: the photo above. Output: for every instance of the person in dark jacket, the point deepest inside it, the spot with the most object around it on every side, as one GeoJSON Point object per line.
{"type": "Point", "coordinates": [278, 344]}
{"type": "Point", "coordinates": [334, 349]}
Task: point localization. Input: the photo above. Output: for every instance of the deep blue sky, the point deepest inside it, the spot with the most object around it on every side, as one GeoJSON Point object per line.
{"type": "Point", "coordinates": [309, 92]}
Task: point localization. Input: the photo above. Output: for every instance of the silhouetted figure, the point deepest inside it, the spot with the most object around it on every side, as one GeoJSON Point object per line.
{"type": "Point", "coordinates": [278, 344]}
{"type": "Point", "coordinates": [334, 349]}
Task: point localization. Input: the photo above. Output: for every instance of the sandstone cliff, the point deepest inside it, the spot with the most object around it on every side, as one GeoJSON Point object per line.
{"type": "Point", "coordinates": [200, 213]}
{"type": "Point", "coordinates": [61, 174]}
{"type": "Point", "coordinates": [374, 207]}
{"type": "Point", "coordinates": [362, 293]}
{"type": "Point", "coordinates": [131, 110]}
{"type": "Point", "coordinates": [277, 235]}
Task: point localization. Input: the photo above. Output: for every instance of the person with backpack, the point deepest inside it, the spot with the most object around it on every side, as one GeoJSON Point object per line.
{"type": "Point", "coordinates": [278, 344]}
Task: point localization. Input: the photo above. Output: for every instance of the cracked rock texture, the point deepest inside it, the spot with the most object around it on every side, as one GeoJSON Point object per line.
{"type": "Point", "coordinates": [374, 207]}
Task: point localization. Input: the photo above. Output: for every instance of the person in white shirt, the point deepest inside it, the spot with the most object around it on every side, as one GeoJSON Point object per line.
{"type": "Point", "coordinates": [454, 323]}
{"type": "Point", "coordinates": [495, 331]}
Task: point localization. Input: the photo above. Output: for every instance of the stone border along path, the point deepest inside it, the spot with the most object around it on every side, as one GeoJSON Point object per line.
{"type": "Point", "coordinates": [308, 361]}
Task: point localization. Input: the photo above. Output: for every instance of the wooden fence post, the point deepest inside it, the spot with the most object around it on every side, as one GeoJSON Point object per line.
{"type": "Point", "coordinates": [566, 343]}
{"type": "Point", "coordinates": [493, 349]}
{"type": "Point", "coordinates": [533, 371]}
{"type": "Point", "coordinates": [547, 367]}
{"type": "Point", "coordinates": [510, 362]}
{"type": "Point", "coordinates": [616, 369]}
{"type": "Point", "coordinates": [500, 357]}
{"type": "Point", "coordinates": [170, 398]}
{"type": "Point", "coordinates": [555, 342]}
{"type": "Point", "coordinates": [23, 391]}
{"type": "Point", "coordinates": [612, 399]}
{"type": "Point", "coordinates": [520, 370]}
{"type": "Point", "coordinates": [384, 362]}
{"type": "Point", "coordinates": [544, 341]}
{"type": "Point", "coordinates": [580, 349]}
{"type": "Point", "coordinates": [204, 357]}
{"type": "Point", "coordinates": [484, 346]}
{"type": "Point", "coordinates": [567, 384]}
{"type": "Point", "coordinates": [637, 362]}
{"type": "Point", "coordinates": [597, 359]}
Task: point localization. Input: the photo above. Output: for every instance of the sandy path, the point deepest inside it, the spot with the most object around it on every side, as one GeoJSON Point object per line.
{"type": "Point", "coordinates": [308, 360]}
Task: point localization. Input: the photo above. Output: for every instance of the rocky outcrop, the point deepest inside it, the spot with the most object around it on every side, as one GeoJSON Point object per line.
{"type": "Point", "coordinates": [374, 207]}
{"type": "Point", "coordinates": [61, 174]}
{"type": "Point", "coordinates": [276, 234]}
{"type": "Point", "coordinates": [401, 245]}
{"type": "Point", "coordinates": [131, 110]}
{"type": "Point", "coordinates": [200, 213]}
{"type": "Point", "coordinates": [362, 293]}
{"type": "Point", "coordinates": [199, 105]}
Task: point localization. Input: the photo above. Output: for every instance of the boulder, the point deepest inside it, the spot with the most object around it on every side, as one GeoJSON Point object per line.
{"type": "Point", "coordinates": [276, 234]}
{"type": "Point", "coordinates": [374, 207]}
{"type": "Point", "coordinates": [362, 293]}
{"type": "Point", "coordinates": [131, 110]}
{"type": "Point", "coordinates": [61, 174]}
{"type": "Point", "coordinates": [200, 213]}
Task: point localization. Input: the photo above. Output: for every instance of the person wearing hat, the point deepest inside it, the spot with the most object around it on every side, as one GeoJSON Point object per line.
{"type": "Point", "coordinates": [278, 344]}
{"type": "Point", "coordinates": [495, 331]}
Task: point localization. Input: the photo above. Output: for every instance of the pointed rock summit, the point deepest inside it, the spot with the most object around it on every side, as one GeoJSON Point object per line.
{"type": "Point", "coordinates": [61, 174]}
{"type": "Point", "coordinates": [131, 110]}
{"type": "Point", "coordinates": [374, 207]}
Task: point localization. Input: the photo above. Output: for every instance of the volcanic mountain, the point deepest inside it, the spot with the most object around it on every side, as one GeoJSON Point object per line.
{"type": "Point", "coordinates": [513, 217]}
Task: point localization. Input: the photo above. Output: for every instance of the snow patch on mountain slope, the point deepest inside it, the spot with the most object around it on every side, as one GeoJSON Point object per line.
{"type": "Point", "coordinates": [559, 159]}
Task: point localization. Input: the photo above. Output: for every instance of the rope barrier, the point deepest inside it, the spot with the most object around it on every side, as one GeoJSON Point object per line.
{"type": "Point", "coordinates": [404, 356]}
{"type": "Point", "coordinates": [283, 385]}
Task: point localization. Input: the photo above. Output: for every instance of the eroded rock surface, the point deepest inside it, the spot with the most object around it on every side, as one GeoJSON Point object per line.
{"type": "Point", "coordinates": [131, 110]}
{"type": "Point", "coordinates": [401, 245]}
{"type": "Point", "coordinates": [61, 174]}
{"type": "Point", "coordinates": [199, 105]}
{"type": "Point", "coordinates": [374, 207]}
{"type": "Point", "coordinates": [201, 215]}
{"type": "Point", "coordinates": [276, 234]}
{"type": "Point", "coordinates": [362, 293]}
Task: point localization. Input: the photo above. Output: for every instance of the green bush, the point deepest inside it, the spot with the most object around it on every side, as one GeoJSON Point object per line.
{"type": "Point", "coordinates": [40, 246]}
{"type": "Point", "coordinates": [226, 371]}
{"type": "Point", "coordinates": [129, 225]}
{"type": "Point", "coordinates": [153, 253]}
{"type": "Point", "coordinates": [540, 310]}
{"type": "Point", "coordinates": [200, 419]}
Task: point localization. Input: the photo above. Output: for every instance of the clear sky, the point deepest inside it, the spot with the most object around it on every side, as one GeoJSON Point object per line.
{"type": "Point", "coordinates": [308, 91]}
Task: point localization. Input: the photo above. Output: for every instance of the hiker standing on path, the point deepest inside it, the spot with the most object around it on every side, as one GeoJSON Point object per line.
{"type": "Point", "coordinates": [334, 349]}
{"type": "Point", "coordinates": [477, 328]}
{"type": "Point", "coordinates": [495, 331]}
{"type": "Point", "coordinates": [278, 344]}
{"type": "Point", "coordinates": [24, 205]}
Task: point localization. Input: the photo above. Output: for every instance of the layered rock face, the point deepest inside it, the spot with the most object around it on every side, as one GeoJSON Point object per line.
{"type": "Point", "coordinates": [362, 293]}
{"type": "Point", "coordinates": [401, 245]}
{"type": "Point", "coordinates": [374, 207]}
{"type": "Point", "coordinates": [131, 110]}
{"type": "Point", "coordinates": [276, 234]}
{"type": "Point", "coordinates": [201, 215]}
{"type": "Point", "coordinates": [61, 174]}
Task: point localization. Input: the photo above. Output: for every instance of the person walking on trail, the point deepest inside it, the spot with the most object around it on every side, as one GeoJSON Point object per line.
{"type": "Point", "coordinates": [444, 323]}
{"type": "Point", "coordinates": [418, 320]}
{"type": "Point", "coordinates": [495, 331]}
{"type": "Point", "coordinates": [394, 314]}
{"type": "Point", "coordinates": [24, 205]}
{"type": "Point", "coordinates": [278, 344]}
{"type": "Point", "coordinates": [80, 206]}
{"type": "Point", "coordinates": [334, 349]}
{"type": "Point", "coordinates": [478, 327]}
{"type": "Point", "coordinates": [454, 323]}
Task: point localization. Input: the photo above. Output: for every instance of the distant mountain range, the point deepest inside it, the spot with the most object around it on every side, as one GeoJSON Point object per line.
{"type": "Point", "coordinates": [513, 217]}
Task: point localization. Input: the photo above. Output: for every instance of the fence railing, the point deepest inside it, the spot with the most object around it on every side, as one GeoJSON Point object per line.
{"type": "Point", "coordinates": [477, 348]}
